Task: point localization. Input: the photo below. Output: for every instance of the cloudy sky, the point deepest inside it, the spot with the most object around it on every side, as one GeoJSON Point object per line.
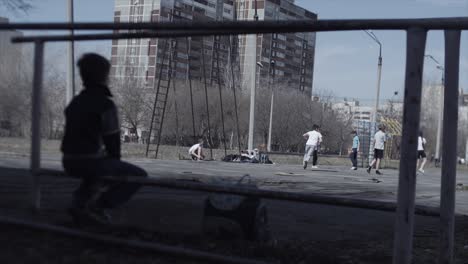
{"type": "Point", "coordinates": [346, 62]}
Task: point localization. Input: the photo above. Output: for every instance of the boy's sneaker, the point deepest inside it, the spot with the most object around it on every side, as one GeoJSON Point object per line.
{"type": "Point", "coordinates": [304, 164]}
{"type": "Point", "coordinates": [378, 172]}
{"type": "Point", "coordinates": [314, 167]}
{"type": "Point", "coordinates": [421, 171]}
{"type": "Point", "coordinates": [90, 216]}
{"type": "Point", "coordinates": [369, 168]}
{"type": "Point", "coordinates": [353, 168]}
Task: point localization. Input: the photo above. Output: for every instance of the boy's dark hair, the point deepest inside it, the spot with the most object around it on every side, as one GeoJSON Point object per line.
{"type": "Point", "coordinates": [354, 132]}
{"type": "Point", "coordinates": [420, 133]}
{"type": "Point", "coordinates": [315, 127]}
{"type": "Point", "coordinates": [94, 69]}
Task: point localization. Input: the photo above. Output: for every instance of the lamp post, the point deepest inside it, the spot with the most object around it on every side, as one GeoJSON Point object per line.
{"type": "Point", "coordinates": [272, 64]}
{"type": "Point", "coordinates": [379, 75]}
{"type": "Point", "coordinates": [253, 84]}
{"type": "Point", "coordinates": [441, 107]}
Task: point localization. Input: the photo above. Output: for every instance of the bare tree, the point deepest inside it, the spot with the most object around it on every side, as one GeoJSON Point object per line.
{"type": "Point", "coordinates": [17, 5]}
{"type": "Point", "coordinates": [134, 102]}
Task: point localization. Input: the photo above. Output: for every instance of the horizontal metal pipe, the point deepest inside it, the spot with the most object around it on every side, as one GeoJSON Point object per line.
{"type": "Point", "coordinates": [153, 247]}
{"type": "Point", "coordinates": [253, 192]}
{"type": "Point", "coordinates": [258, 26]}
{"type": "Point", "coordinates": [108, 36]}
{"type": "Point", "coordinates": [185, 29]}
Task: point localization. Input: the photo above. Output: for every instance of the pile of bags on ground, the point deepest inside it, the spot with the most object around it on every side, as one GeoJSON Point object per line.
{"type": "Point", "coordinates": [249, 156]}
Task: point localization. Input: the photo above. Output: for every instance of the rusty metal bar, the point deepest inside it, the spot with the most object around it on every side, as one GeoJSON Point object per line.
{"type": "Point", "coordinates": [152, 247]}
{"type": "Point", "coordinates": [36, 124]}
{"type": "Point", "coordinates": [449, 151]}
{"type": "Point", "coordinates": [259, 26]}
{"type": "Point", "coordinates": [403, 243]}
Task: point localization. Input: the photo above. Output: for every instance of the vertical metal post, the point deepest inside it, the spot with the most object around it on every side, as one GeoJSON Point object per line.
{"type": "Point", "coordinates": [189, 78]}
{"type": "Point", "coordinates": [206, 96]}
{"type": "Point", "coordinates": [233, 83]}
{"type": "Point", "coordinates": [218, 73]}
{"type": "Point", "coordinates": [271, 120]}
{"type": "Point", "coordinates": [36, 124]}
{"type": "Point", "coordinates": [253, 83]}
{"type": "Point", "coordinates": [439, 118]}
{"type": "Point", "coordinates": [71, 59]}
{"type": "Point", "coordinates": [403, 241]}
{"type": "Point", "coordinates": [270, 127]}
{"type": "Point", "coordinates": [377, 99]}
{"type": "Point", "coordinates": [449, 150]}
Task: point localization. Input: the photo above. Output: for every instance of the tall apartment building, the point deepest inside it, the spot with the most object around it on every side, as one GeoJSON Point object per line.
{"type": "Point", "coordinates": [140, 58]}
{"type": "Point", "coordinates": [293, 54]}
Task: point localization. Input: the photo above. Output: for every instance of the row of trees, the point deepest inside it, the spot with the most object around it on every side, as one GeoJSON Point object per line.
{"type": "Point", "coordinates": [15, 98]}
{"type": "Point", "coordinates": [294, 114]}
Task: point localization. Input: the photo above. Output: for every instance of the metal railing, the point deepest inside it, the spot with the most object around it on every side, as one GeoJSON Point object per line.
{"type": "Point", "coordinates": [416, 30]}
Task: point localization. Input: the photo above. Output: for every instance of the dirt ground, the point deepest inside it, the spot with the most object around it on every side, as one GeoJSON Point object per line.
{"type": "Point", "coordinates": [25, 246]}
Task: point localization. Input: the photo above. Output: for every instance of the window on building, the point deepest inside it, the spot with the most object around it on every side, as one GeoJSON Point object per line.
{"type": "Point", "coordinates": [281, 37]}
{"type": "Point", "coordinates": [280, 55]}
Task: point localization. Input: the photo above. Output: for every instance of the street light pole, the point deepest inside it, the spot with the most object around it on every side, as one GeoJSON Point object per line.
{"type": "Point", "coordinates": [379, 76]}
{"type": "Point", "coordinates": [272, 64]}
{"type": "Point", "coordinates": [441, 107]}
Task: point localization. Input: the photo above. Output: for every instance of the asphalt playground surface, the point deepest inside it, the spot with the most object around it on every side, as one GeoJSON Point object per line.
{"type": "Point", "coordinates": [329, 180]}
{"type": "Point", "coordinates": [181, 212]}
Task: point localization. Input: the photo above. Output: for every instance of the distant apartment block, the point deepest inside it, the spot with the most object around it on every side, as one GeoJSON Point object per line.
{"type": "Point", "coordinates": [353, 110]}
{"type": "Point", "coordinates": [292, 54]}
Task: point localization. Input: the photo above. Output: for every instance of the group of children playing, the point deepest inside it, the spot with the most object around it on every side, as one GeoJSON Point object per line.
{"type": "Point", "coordinates": [314, 139]}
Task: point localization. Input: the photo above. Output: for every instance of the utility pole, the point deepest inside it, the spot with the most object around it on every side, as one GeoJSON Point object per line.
{"type": "Point", "coordinates": [272, 65]}
{"type": "Point", "coordinates": [441, 107]}
{"type": "Point", "coordinates": [253, 84]}
{"type": "Point", "coordinates": [70, 92]}
{"type": "Point", "coordinates": [376, 108]}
